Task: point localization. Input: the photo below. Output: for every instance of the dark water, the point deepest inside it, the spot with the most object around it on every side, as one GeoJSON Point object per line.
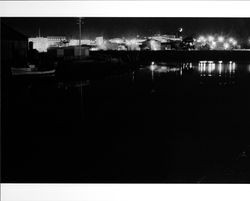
{"type": "Point", "coordinates": [165, 122]}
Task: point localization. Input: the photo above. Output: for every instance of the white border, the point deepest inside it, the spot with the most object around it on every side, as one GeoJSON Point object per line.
{"type": "Point", "coordinates": [125, 8]}
{"type": "Point", "coordinates": [124, 192]}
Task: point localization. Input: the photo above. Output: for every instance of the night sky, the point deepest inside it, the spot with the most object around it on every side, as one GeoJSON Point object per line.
{"type": "Point", "coordinates": [130, 27]}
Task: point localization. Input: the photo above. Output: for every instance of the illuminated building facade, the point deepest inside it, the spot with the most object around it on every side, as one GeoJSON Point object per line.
{"type": "Point", "coordinates": [40, 43]}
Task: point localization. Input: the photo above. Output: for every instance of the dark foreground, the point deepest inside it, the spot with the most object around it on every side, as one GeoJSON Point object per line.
{"type": "Point", "coordinates": [169, 123]}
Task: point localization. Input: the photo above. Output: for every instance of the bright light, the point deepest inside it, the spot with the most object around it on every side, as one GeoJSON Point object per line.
{"type": "Point", "coordinates": [231, 40]}
{"type": "Point", "coordinates": [180, 29]}
{"type": "Point", "coordinates": [152, 67]}
{"type": "Point", "coordinates": [201, 39]}
{"type": "Point", "coordinates": [234, 65]}
{"type": "Point", "coordinates": [235, 42]}
{"type": "Point", "coordinates": [226, 45]}
{"type": "Point", "coordinates": [220, 68]}
{"type": "Point", "coordinates": [210, 38]}
{"type": "Point", "coordinates": [131, 42]}
{"type": "Point", "coordinates": [213, 45]}
{"type": "Point", "coordinates": [154, 45]}
{"type": "Point", "coordinates": [221, 39]}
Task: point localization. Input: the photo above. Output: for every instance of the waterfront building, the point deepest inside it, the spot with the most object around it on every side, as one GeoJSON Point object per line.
{"type": "Point", "coordinates": [56, 40]}
{"type": "Point", "coordinates": [111, 46]}
{"type": "Point", "coordinates": [117, 40]}
{"type": "Point", "coordinates": [151, 44]}
{"type": "Point", "coordinates": [165, 38]}
{"type": "Point", "coordinates": [100, 43]}
{"type": "Point", "coordinates": [43, 43]}
{"type": "Point", "coordinates": [75, 42]}
{"type": "Point", "coordinates": [69, 52]}
{"type": "Point", "coordinates": [40, 43]}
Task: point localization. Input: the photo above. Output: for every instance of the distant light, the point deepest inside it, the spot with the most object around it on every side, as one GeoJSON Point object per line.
{"type": "Point", "coordinates": [152, 63]}
{"type": "Point", "coordinates": [152, 67]}
{"type": "Point", "coordinates": [231, 40]}
{"type": "Point", "coordinates": [226, 45]}
{"type": "Point", "coordinates": [221, 39]}
{"type": "Point", "coordinates": [131, 42]}
{"type": "Point", "coordinates": [154, 45]}
{"type": "Point", "coordinates": [230, 62]}
{"type": "Point", "coordinates": [235, 42]}
{"type": "Point", "coordinates": [180, 29]}
{"type": "Point", "coordinates": [213, 45]}
{"type": "Point", "coordinates": [234, 66]}
{"type": "Point", "coordinates": [220, 62]}
{"type": "Point", "coordinates": [210, 38]}
{"type": "Point", "coordinates": [201, 39]}
{"type": "Point", "coordinates": [220, 68]}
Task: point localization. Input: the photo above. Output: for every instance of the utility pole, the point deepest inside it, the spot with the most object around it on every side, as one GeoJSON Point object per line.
{"type": "Point", "coordinates": [80, 34]}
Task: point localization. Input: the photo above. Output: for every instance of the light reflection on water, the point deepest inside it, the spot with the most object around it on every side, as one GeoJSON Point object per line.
{"type": "Point", "coordinates": [224, 72]}
{"type": "Point", "coordinates": [73, 84]}
{"type": "Point", "coordinates": [203, 68]}
{"type": "Point", "coordinates": [211, 68]}
{"type": "Point", "coordinates": [248, 68]}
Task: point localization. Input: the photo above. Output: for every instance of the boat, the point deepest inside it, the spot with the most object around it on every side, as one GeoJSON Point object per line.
{"type": "Point", "coordinates": [29, 71]}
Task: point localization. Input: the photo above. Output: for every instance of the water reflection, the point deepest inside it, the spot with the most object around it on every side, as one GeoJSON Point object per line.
{"type": "Point", "coordinates": [204, 68]}
{"type": "Point", "coordinates": [163, 68]}
{"type": "Point", "coordinates": [77, 84]}
{"type": "Point", "coordinates": [216, 68]}
{"type": "Point", "coordinates": [213, 72]}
